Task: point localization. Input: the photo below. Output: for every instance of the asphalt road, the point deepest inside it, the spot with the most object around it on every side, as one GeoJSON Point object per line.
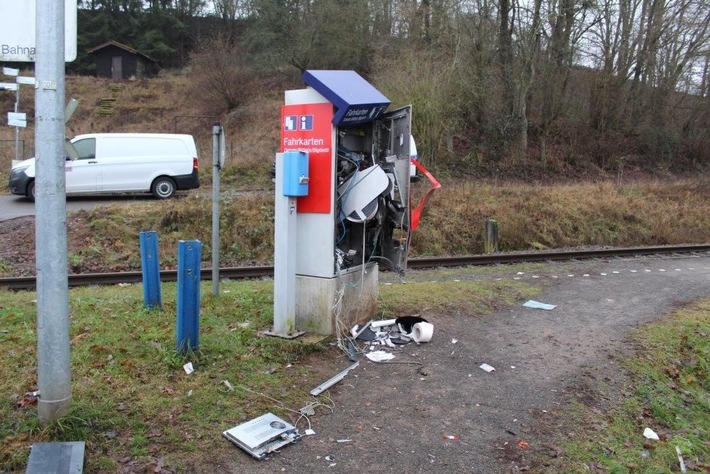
{"type": "Point", "coordinates": [12, 206]}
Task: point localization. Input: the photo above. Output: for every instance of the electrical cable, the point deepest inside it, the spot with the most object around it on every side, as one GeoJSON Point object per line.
{"type": "Point", "coordinates": [302, 412]}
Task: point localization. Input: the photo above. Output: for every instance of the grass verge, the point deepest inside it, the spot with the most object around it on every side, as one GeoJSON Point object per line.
{"type": "Point", "coordinates": [135, 406]}
{"type": "Point", "coordinates": [670, 395]}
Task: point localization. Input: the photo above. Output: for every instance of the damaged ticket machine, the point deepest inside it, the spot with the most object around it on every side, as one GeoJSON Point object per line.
{"type": "Point", "coordinates": [342, 202]}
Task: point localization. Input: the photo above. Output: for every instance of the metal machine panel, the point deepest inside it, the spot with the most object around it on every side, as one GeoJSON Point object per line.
{"type": "Point", "coordinates": [58, 458]}
{"type": "Point", "coordinates": [262, 435]}
{"type": "Point", "coordinates": [316, 236]}
{"type": "Point", "coordinates": [307, 127]}
{"type": "Point", "coordinates": [393, 132]}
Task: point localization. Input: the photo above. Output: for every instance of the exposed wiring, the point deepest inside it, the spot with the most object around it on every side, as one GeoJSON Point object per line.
{"type": "Point", "coordinates": [304, 412]}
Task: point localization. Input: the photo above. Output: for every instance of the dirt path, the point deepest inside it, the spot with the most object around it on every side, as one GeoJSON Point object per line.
{"type": "Point", "coordinates": [396, 419]}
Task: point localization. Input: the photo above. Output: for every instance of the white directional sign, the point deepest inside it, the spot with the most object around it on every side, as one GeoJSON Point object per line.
{"type": "Point", "coordinates": [17, 119]}
{"type": "Point", "coordinates": [17, 30]}
{"type": "Point", "coordinates": [30, 81]}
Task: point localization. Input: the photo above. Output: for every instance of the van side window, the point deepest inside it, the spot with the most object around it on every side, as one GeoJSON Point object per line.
{"type": "Point", "coordinates": [86, 148]}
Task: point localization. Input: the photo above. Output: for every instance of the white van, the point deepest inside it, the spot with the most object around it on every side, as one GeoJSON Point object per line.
{"type": "Point", "coordinates": [154, 163]}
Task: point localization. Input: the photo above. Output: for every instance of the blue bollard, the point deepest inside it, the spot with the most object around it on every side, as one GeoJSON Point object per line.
{"type": "Point", "coordinates": [150, 266]}
{"type": "Point", "coordinates": [188, 295]}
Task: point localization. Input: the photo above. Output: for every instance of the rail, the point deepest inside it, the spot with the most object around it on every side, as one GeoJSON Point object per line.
{"type": "Point", "coordinates": [89, 279]}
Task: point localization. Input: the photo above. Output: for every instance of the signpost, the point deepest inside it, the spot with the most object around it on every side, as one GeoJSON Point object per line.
{"type": "Point", "coordinates": [16, 119]}
{"type": "Point", "coordinates": [44, 32]}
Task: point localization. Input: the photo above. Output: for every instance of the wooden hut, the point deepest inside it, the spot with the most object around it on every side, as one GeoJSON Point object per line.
{"type": "Point", "coordinates": [118, 61]}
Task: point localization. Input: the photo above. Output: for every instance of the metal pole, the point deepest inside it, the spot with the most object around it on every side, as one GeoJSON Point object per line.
{"type": "Point", "coordinates": [285, 222]}
{"type": "Point", "coordinates": [216, 132]}
{"type": "Point", "coordinates": [53, 362]}
{"type": "Point", "coordinates": [17, 129]}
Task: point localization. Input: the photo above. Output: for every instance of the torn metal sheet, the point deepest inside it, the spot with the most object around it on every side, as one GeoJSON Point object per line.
{"type": "Point", "coordinates": [332, 381]}
{"type": "Point", "coordinates": [262, 435]}
{"type": "Point", "coordinates": [357, 329]}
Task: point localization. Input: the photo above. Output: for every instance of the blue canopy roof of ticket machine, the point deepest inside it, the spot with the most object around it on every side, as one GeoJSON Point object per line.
{"type": "Point", "coordinates": [356, 100]}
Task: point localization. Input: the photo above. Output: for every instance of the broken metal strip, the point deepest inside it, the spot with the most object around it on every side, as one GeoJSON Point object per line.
{"type": "Point", "coordinates": [332, 381]}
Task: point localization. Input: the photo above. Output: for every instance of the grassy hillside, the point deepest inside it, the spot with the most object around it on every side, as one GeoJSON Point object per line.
{"type": "Point", "coordinates": [168, 104]}
{"type": "Point", "coordinates": [545, 210]}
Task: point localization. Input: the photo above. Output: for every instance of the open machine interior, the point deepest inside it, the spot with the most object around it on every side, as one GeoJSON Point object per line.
{"type": "Point", "coordinates": [372, 218]}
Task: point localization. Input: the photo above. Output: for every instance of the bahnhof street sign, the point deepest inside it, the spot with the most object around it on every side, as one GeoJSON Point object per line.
{"type": "Point", "coordinates": [17, 30]}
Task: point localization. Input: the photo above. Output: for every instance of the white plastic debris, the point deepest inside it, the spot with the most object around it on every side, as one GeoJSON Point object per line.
{"type": "Point", "coordinates": [487, 368]}
{"type": "Point", "coordinates": [310, 432]}
{"type": "Point", "coordinates": [537, 305]}
{"type": "Point", "coordinates": [680, 460]}
{"type": "Point", "coordinates": [650, 434]}
{"type": "Point", "coordinates": [382, 323]}
{"type": "Point", "coordinates": [422, 332]}
{"type": "Point", "coordinates": [188, 368]}
{"type": "Point", "coordinates": [229, 386]}
{"type": "Point", "coordinates": [379, 356]}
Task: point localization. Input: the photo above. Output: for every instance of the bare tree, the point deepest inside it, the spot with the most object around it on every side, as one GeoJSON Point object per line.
{"type": "Point", "coordinates": [220, 74]}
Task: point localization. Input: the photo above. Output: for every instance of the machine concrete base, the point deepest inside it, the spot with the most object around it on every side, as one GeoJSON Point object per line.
{"type": "Point", "coordinates": [316, 297]}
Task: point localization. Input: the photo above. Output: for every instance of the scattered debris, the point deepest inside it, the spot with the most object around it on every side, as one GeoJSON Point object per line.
{"type": "Point", "coordinates": [383, 323]}
{"type": "Point", "coordinates": [487, 368]}
{"type": "Point", "coordinates": [523, 444]}
{"type": "Point", "coordinates": [454, 341]}
{"type": "Point", "coordinates": [422, 332]}
{"type": "Point", "coordinates": [357, 329]}
{"type": "Point", "coordinates": [537, 305]}
{"type": "Point", "coordinates": [263, 435]}
{"type": "Point", "coordinates": [406, 323]}
{"type": "Point", "coordinates": [332, 381]}
{"type": "Point", "coordinates": [366, 334]}
{"type": "Point", "coordinates": [343, 440]}
{"type": "Point", "coordinates": [680, 460]}
{"type": "Point", "coordinates": [309, 432]}
{"type": "Point", "coordinates": [352, 352]}
{"type": "Point", "coordinates": [188, 368]}
{"type": "Point", "coordinates": [379, 356]}
{"type": "Point", "coordinates": [454, 437]}
{"type": "Point", "coordinates": [27, 401]}
{"type": "Point", "coordinates": [229, 386]}
{"type": "Point", "coordinates": [650, 434]}
{"type": "Point", "coordinates": [329, 458]}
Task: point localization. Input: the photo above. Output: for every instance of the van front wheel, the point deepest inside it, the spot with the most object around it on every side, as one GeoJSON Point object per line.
{"type": "Point", "coordinates": [163, 188]}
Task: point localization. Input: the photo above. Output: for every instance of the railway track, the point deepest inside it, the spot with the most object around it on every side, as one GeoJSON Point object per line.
{"type": "Point", "coordinates": [88, 279]}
